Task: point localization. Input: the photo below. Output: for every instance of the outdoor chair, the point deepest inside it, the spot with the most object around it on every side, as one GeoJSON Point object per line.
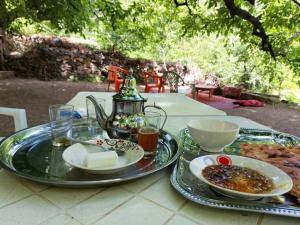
{"type": "Point", "coordinates": [173, 79]}
{"type": "Point", "coordinates": [114, 76]}
{"type": "Point", "coordinates": [19, 116]}
{"type": "Point", "coordinates": [153, 81]}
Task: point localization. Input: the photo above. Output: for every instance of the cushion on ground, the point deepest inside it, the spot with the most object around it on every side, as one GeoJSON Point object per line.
{"type": "Point", "coordinates": [251, 103]}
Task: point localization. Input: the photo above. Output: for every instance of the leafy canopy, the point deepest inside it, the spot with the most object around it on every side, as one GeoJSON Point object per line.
{"type": "Point", "coordinates": [71, 15]}
{"type": "Point", "coordinates": [271, 25]}
{"type": "Point", "coordinates": [224, 37]}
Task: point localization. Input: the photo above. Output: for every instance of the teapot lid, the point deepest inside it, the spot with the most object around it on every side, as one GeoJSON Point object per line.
{"type": "Point", "coordinates": [128, 91]}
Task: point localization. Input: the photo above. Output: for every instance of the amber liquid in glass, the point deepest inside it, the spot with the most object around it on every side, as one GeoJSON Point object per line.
{"type": "Point", "coordinates": [148, 138]}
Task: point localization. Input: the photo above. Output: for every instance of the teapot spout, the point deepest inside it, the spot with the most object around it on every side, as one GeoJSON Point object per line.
{"type": "Point", "coordinates": [101, 116]}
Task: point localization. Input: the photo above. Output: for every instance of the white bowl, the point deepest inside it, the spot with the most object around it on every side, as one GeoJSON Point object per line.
{"type": "Point", "coordinates": [282, 182]}
{"type": "Point", "coordinates": [213, 135]}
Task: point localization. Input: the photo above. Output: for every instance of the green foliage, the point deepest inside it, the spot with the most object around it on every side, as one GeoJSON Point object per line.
{"type": "Point", "coordinates": [204, 33]}
{"type": "Point", "coordinates": [94, 78]}
{"type": "Point", "coordinates": [69, 15]}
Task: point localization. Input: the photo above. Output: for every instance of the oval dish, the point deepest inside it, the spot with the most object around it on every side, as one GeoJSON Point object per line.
{"type": "Point", "coordinates": [282, 182]}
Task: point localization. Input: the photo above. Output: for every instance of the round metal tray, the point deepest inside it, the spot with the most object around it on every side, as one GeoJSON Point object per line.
{"type": "Point", "coordinates": [199, 192]}
{"type": "Point", "coordinates": [30, 154]}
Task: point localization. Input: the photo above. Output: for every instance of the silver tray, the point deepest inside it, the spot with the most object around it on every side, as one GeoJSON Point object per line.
{"type": "Point", "coordinates": [195, 190]}
{"type": "Point", "coordinates": [30, 154]}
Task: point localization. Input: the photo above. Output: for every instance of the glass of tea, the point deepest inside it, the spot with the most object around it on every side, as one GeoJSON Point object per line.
{"type": "Point", "coordinates": [148, 134]}
{"type": "Point", "coordinates": [61, 124]}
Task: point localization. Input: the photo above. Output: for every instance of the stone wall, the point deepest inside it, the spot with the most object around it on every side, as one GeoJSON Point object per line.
{"type": "Point", "coordinates": [51, 58]}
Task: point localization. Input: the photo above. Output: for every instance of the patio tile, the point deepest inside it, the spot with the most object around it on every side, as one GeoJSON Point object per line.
{"type": "Point", "coordinates": [179, 220]}
{"type": "Point", "coordinates": [11, 189]}
{"type": "Point", "coordinates": [137, 211]}
{"type": "Point", "coordinates": [212, 216]}
{"type": "Point", "coordinates": [279, 220]}
{"type": "Point", "coordinates": [66, 198]}
{"type": "Point", "coordinates": [141, 184]}
{"type": "Point", "coordinates": [29, 211]}
{"type": "Point", "coordinates": [162, 193]}
{"type": "Point", "coordinates": [61, 220]}
{"type": "Point", "coordinates": [35, 187]}
{"type": "Point", "coordinates": [98, 205]}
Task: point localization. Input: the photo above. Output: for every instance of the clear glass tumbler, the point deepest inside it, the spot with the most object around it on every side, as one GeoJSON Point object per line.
{"type": "Point", "coordinates": [149, 133]}
{"type": "Point", "coordinates": [61, 118]}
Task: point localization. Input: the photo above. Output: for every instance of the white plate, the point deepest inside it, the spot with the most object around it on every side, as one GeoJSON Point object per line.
{"type": "Point", "coordinates": [75, 154]}
{"type": "Point", "coordinates": [282, 182]}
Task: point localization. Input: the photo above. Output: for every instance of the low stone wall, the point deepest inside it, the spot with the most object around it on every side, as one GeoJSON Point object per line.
{"type": "Point", "coordinates": [6, 75]}
{"type": "Point", "coordinates": [50, 58]}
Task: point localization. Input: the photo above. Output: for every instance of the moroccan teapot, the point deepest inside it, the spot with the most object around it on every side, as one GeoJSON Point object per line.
{"type": "Point", "coordinates": [127, 111]}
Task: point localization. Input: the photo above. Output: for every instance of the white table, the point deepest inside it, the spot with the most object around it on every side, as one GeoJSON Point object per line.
{"type": "Point", "coordinates": [174, 104]}
{"type": "Point", "coordinates": [150, 200]}
{"type": "Point", "coordinates": [175, 124]}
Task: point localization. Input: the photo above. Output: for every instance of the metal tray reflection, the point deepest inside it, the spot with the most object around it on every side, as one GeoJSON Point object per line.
{"type": "Point", "coordinates": [30, 154]}
{"type": "Point", "coordinates": [195, 190]}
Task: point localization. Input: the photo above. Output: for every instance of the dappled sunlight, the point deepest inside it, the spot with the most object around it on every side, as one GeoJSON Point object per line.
{"type": "Point", "coordinates": [162, 104]}
{"type": "Point", "coordinates": [295, 118]}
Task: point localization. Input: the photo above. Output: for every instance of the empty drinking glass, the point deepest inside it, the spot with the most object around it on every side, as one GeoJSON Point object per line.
{"type": "Point", "coordinates": [61, 124]}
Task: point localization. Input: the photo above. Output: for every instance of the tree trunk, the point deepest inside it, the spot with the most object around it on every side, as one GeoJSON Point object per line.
{"type": "Point", "coordinates": [2, 48]}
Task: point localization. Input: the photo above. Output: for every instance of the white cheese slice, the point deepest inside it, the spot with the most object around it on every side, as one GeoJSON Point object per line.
{"type": "Point", "coordinates": [101, 159]}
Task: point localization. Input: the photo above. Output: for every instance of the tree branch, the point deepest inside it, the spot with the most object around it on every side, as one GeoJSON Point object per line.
{"type": "Point", "coordinates": [185, 3]}
{"type": "Point", "coordinates": [180, 3]}
{"type": "Point", "coordinates": [258, 29]}
{"type": "Point", "coordinates": [294, 36]}
{"type": "Point", "coordinates": [296, 2]}
{"type": "Point", "coordinates": [252, 2]}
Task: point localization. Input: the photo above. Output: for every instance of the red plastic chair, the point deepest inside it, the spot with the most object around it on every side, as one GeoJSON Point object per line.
{"type": "Point", "coordinates": [113, 76]}
{"type": "Point", "coordinates": [153, 81]}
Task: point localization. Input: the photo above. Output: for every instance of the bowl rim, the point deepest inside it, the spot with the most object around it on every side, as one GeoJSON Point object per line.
{"type": "Point", "coordinates": [288, 187]}
{"type": "Point", "coordinates": [237, 127]}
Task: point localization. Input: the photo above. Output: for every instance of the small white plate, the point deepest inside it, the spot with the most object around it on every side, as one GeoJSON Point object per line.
{"type": "Point", "coordinates": [282, 182]}
{"type": "Point", "coordinates": [75, 154]}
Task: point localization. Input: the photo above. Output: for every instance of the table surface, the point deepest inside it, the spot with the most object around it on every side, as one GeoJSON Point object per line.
{"type": "Point", "coordinates": [150, 200]}
{"type": "Point", "coordinates": [174, 104]}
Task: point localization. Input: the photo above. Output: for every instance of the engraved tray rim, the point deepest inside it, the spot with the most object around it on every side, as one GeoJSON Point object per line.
{"type": "Point", "coordinates": [283, 210]}
{"type": "Point", "coordinates": [44, 128]}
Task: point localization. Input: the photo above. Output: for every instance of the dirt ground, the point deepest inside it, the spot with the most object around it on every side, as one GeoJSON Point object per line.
{"type": "Point", "coordinates": [35, 96]}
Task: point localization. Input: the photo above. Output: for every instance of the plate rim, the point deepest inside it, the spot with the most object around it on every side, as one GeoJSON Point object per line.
{"type": "Point", "coordinates": [105, 169]}
{"type": "Point", "coordinates": [289, 211]}
{"type": "Point", "coordinates": [244, 194]}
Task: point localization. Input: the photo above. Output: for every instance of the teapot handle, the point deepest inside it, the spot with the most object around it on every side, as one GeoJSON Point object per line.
{"type": "Point", "coordinates": [161, 109]}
